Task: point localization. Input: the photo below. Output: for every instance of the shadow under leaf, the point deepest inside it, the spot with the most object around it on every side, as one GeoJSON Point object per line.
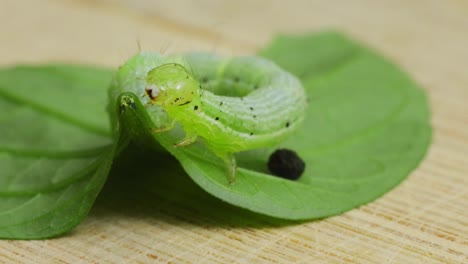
{"type": "Point", "coordinates": [144, 183]}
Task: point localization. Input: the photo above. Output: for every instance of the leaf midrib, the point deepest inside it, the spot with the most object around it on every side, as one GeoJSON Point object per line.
{"type": "Point", "coordinates": [86, 153]}
{"type": "Point", "coordinates": [68, 119]}
{"type": "Point", "coordinates": [57, 186]}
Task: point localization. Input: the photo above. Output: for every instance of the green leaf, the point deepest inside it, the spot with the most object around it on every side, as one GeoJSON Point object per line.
{"type": "Point", "coordinates": [55, 147]}
{"type": "Point", "coordinates": [367, 127]}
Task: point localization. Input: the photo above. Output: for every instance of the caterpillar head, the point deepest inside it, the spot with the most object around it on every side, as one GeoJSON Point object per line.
{"type": "Point", "coordinates": [171, 85]}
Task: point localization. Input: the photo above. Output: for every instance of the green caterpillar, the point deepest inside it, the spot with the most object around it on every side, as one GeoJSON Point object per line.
{"type": "Point", "coordinates": [234, 104]}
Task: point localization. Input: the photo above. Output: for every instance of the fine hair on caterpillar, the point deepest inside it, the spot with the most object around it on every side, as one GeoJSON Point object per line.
{"type": "Point", "coordinates": [233, 103]}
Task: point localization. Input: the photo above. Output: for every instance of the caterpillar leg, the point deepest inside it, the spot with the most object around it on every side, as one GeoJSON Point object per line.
{"type": "Point", "coordinates": [163, 129]}
{"type": "Point", "coordinates": [187, 140]}
{"type": "Point", "coordinates": [231, 166]}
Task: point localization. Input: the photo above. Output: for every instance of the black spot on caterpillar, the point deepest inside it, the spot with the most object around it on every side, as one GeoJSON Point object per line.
{"type": "Point", "coordinates": [188, 102]}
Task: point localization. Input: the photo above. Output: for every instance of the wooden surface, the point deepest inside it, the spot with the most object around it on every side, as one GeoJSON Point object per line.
{"type": "Point", "coordinates": [424, 220]}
